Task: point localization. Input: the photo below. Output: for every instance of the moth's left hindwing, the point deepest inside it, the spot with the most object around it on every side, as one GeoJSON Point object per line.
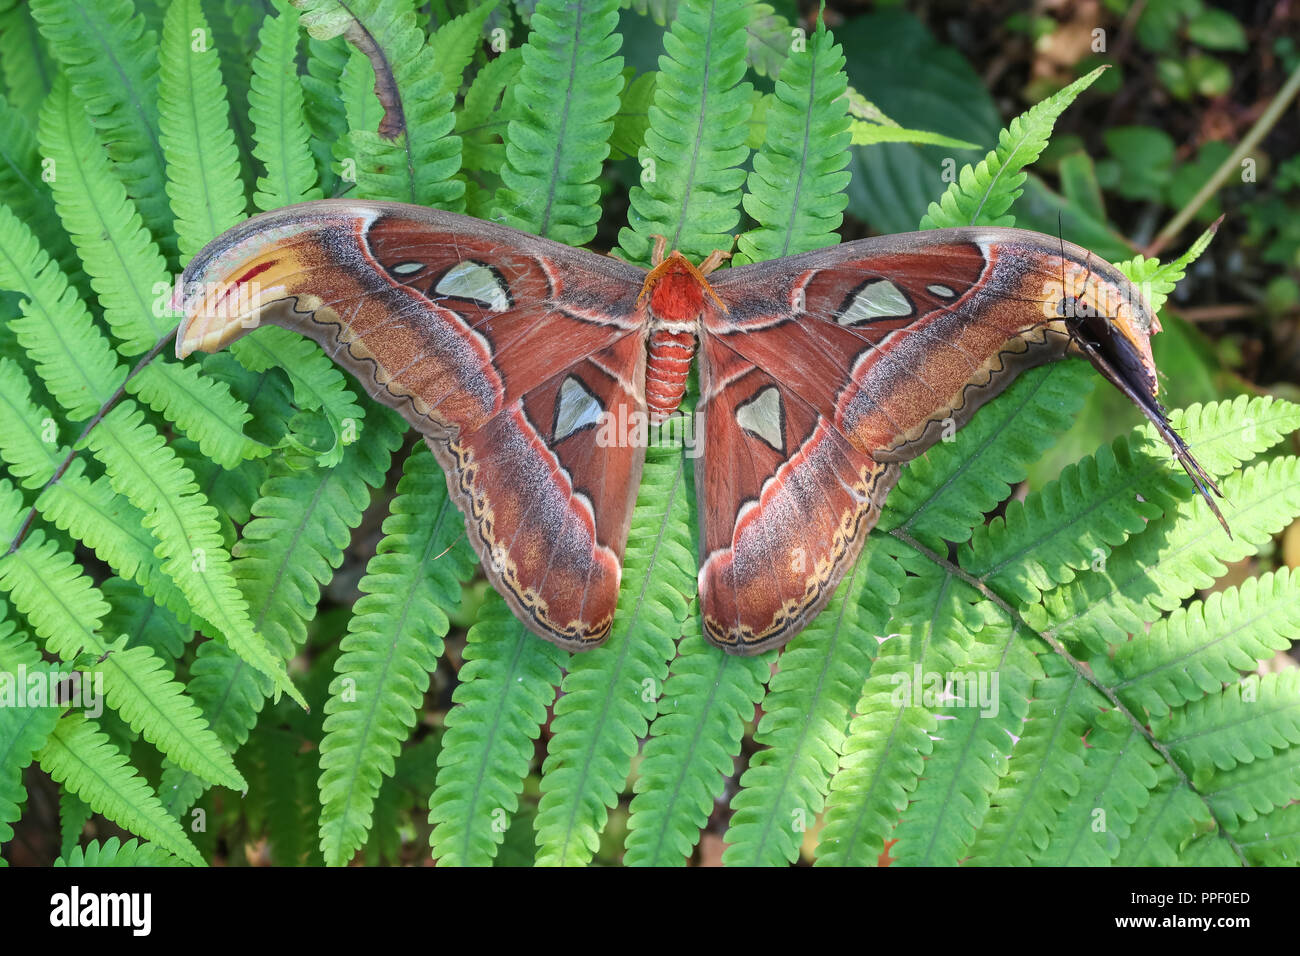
{"type": "Point", "coordinates": [506, 351]}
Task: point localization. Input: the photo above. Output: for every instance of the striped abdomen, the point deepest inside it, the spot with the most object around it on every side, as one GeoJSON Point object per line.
{"type": "Point", "coordinates": [666, 368]}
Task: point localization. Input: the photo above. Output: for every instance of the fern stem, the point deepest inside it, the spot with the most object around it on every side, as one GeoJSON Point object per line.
{"type": "Point", "coordinates": [104, 409]}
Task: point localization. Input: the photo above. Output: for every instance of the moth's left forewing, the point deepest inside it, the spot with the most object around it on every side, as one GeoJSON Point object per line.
{"type": "Point", "coordinates": [508, 352]}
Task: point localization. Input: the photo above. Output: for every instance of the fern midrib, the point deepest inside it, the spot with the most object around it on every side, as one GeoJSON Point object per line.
{"type": "Point", "coordinates": [794, 755]}
{"type": "Point", "coordinates": [684, 763]}
{"type": "Point", "coordinates": [559, 152]}
{"type": "Point", "coordinates": [467, 833]}
{"type": "Point", "coordinates": [1180, 659]}
{"type": "Point", "coordinates": [689, 189]}
{"type": "Point", "coordinates": [1006, 164]}
{"type": "Point", "coordinates": [199, 153]}
{"type": "Point", "coordinates": [415, 577]}
{"type": "Point", "coordinates": [1027, 789]}
{"type": "Point", "coordinates": [625, 650]}
{"type": "Point", "coordinates": [137, 106]}
{"type": "Point", "coordinates": [91, 199]}
{"type": "Point", "coordinates": [36, 302]}
{"type": "Point", "coordinates": [1059, 649]}
{"type": "Point", "coordinates": [809, 111]}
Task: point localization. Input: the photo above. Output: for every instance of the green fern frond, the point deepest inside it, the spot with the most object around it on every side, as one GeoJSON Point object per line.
{"type": "Point", "coordinates": [506, 684]}
{"type": "Point", "coordinates": [597, 720]}
{"type": "Point", "coordinates": [1155, 571]}
{"type": "Point", "coordinates": [881, 761]}
{"type": "Point", "coordinates": [275, 107]}
{"type": "Point", "coordinates": [140, 689]}
{"type": "Point", "coordinates": [93, 513]}
{"type": "Point", "coordinates": [112, 60]}
{"type": "Point", "coordinates": [1155, 280]}
{"type": "Point", "coordinates": [1172, 818]}
{"type": "Point", "coordinates": [303, 521]}
{"type": "Point", "coordinates": [1043, 770]}
{"type": "Point", "coordinates": [29, 441]}
{"type": "Point", "coordinates": [481, 124]}
{"type": "Point", "coordinates": [796, 190]}
{"type": "Point", "coordinates": [1118, 776]}
{"type": "Point", "coordinates": [633, 116]}
{"type": "Point", "coordinates": [74, 814]}
{"type": "Point", "coordinates": [695, 147]}
{"type": "Point", "coordinates": [113, 852]}
{"type": "Point", "coordinates": [1252, 790]}
{"type": "Point", "coordinates": [21, 170]}
{"type": "Point", "coordinates": [400, 798]}
{"type": "Point", "coordinates": [393, 643]}
{"type": "Point", "coordinates": [707, 701]}
{"type": "Point", "coordinates": [73, 359]}
{"type": "Point", "coordinates": [25, 63]}
{"type": "Point", "coordinates": [1075, 521]}
{"type": "Point", "coordinates": [317, 383]}
{"type": "Point", "coordinates": [81, 758]}
{"type": "Point", "coordinates": [66, 610]}
{"type": "Point", "coordinates": [419, 160]}
{"type": "Point", "coordinates": [203, 175]}
{"type": "Point", "coordinates": [230, 695]}
{"type": "Point", "coordinates": [992, 692]}
{"type": "Point", "coordinates": [564, 97]}
{"type": "Point", "coordinates": [126, 269]}
{"type": "Point", "coordinates": [1273, 839]}
{"type": "Point", "coordinates": [143, 469]}
{"type": "Point", "coordinates": [201, 407]}
{"type": "Point", "coordinates": [806, 716]}
{"type": "Point", "coordinates": [1228, 434]}
{"type": "Point", "coordinates": [233, 33]}
{"type": "Point", "coordinates": [1196, 650]}
{"type": "Point", "coordinates": [23, 730]}
{"type": "Point", "coordinates": [323, 105]}
{"type": "Point", "coordinates": [943, 495]}
{"type": "Point", "coordinates": [1243, 722]}
{"type": "Point", "coordinates": [144, 623]}
{"type": "Point", "coordinates": [981, 195]}
{"type": "Point", "coordinates": [458, 42]}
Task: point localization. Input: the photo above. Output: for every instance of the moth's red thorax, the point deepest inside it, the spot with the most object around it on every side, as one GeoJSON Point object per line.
{"type": "Point", "coordinates": [675, 289]}
{"type": "Point", "coordinates": [676, 295]}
